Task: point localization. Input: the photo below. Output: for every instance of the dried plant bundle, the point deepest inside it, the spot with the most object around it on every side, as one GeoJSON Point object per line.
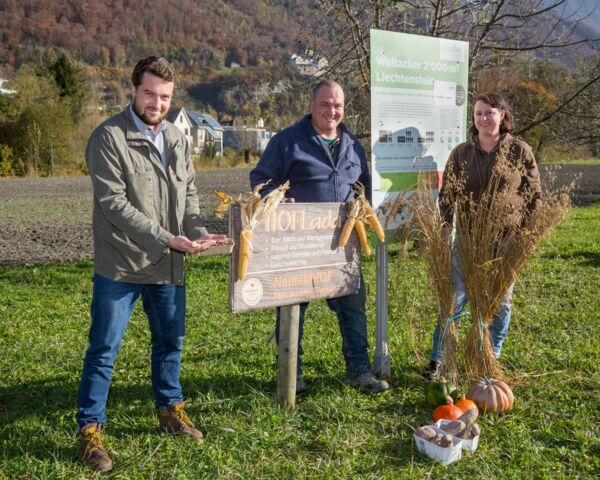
{"type": "Point", "coordinates": [495, 239]}
{"type": "Point", "coordinates": [434, 243]}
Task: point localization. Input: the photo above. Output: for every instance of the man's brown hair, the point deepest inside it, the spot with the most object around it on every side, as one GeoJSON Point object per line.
{"type": "Point", "coordinates": [157, 66]}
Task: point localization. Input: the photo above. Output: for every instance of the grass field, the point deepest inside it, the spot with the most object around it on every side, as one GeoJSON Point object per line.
{"type": "Point", "coordinates": [552, 357]}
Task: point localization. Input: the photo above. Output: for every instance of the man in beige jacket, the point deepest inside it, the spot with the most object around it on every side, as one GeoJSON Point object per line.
{"type": "Point", "coordinates": [146, 218]}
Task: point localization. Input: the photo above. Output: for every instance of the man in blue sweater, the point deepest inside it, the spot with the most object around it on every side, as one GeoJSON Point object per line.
{"type": "Point", "coordinates": [323, 160]}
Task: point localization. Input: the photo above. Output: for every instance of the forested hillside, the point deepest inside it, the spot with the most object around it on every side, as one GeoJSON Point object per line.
{"type": "Point", "coordinates": [192, 33]}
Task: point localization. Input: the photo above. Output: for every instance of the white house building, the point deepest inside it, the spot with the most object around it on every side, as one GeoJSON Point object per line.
{"type": "Point", "coordinates": [200, 129]}
{"type": "Point", "coordinates": [179, 118]}
{"type": "Point", "coordinates": [309, 64]}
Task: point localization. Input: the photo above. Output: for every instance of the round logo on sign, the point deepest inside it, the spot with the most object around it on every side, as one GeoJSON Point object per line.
{"type": "Point", "coordinates": [252, 291]}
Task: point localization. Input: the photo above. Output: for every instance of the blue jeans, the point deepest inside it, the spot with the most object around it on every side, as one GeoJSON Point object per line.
{"type": "Point", "coordinates": [352, 320]}
{"type": "Point", "coordinates": [112, 305]}
{"type": "Point", "coordinates": [500, 321]}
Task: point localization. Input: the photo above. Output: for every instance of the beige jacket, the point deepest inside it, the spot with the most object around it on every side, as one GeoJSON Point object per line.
{"type": "Point", "coordinates": [138, 206]}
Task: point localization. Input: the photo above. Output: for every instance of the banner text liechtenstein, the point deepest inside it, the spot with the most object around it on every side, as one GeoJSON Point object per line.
{"type": "Point", "coordinates": [418, 109]}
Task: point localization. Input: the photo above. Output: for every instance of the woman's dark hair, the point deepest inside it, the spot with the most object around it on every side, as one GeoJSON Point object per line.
{"type": "Point", "coordinates": [496, 101]}
{"type": "Point", "coordinates": [157, 66]}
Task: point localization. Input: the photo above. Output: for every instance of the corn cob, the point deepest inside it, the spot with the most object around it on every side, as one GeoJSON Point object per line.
{"type": "Point", "coordinates": [353, 208]}
{"type": "Point", "coordinates": [371, 217]}
{"type": "Point", "coordinates": [362, 236]}
{"type": "Point", "coordinates": [223, 208]}
{"type": "Point", "coordinates": [244, 253]}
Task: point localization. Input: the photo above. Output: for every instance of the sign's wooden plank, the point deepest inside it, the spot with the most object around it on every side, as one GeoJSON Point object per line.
{"type": "Point", "coordinates": [295, 257]}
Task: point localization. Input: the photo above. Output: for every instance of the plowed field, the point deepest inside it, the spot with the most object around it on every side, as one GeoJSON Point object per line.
{"type": "Point", "coordinates": [49, 219]}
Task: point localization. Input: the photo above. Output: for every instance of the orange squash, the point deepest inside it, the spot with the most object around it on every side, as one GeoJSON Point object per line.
{"type": "Point", "coordinates": [447, 412]}
{"type": "Point", "coordinates": [491, 395]}
{"type": "Point", "coordinates": [465, 404]}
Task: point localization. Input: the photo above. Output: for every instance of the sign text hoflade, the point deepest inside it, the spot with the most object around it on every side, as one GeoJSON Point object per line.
{"type": "Point", "coordinates": [295, 257]}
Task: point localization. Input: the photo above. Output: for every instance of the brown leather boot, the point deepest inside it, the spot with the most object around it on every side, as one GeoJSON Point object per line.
{"type": "Point", "coordinates": [91, 450]}
{"type": "Point", "coordinates": [173, 419]}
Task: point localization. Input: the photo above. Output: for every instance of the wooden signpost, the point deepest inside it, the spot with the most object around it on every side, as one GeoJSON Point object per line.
{"type": "Point", "coordinates": [295, 259]}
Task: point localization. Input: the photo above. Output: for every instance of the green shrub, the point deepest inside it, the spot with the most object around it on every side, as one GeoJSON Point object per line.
{"type": "Point", "coordinates": [10, 165]}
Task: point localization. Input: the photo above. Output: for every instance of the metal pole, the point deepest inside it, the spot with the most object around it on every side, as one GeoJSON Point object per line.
{"type": "Point", "coordinates": [381, 360]}
{"type": "Point", "coordinates": [288, 355]}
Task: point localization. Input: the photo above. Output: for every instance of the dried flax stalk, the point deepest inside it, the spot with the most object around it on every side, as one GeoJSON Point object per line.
{"type": "Point", "coordinates": [494, 249]}
{"type": "Point", "coordinates": [434, 242]}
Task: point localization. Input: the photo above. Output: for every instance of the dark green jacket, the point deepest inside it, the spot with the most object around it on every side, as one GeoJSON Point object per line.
{"type": "Point", "coordinates": [138, 206]}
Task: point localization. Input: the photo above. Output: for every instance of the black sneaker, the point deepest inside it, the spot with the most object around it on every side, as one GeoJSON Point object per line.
{"type": "Point", "coordinates": [432, 371]}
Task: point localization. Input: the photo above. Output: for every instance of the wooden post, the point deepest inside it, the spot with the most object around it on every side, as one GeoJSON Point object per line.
{"type": "Point", "coordinates": [288, 355]}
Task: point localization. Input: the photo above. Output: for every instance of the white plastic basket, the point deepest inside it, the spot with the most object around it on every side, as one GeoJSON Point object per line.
{"type": "Point", "coordinates": [446, 455]}
{"type": "Point", "coordinates": [469, 444]}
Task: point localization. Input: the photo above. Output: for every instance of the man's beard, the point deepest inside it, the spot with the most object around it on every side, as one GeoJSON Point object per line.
{"type": "Point", "coordinates": [145, 118]}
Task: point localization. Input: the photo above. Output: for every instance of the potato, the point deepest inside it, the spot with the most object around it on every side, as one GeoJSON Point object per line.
{"type": "Point", "coordinates": [426, 433]}
{"type": "Point", "coordinates": [469, 416]}
{"type": "Point", "coordinates": [455, 427]}
{"type": "Point", "coordinates": [444, 440]}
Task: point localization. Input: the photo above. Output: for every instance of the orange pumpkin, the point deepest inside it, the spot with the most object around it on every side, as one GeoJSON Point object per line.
{"type": "Point", "coordinates": [465, 404]}
{"type": "Point", "coordinates": [492, 395]}
{"type": "Point", "coordinates": [447, 412]}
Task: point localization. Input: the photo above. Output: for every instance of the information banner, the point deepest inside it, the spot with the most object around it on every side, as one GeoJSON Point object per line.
{"type": "Point", "coordinates": [418, 109]}
{"type": "Point", "coordinates": [295, 257]}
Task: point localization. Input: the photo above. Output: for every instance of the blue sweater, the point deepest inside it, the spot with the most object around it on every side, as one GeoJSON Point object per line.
{"type": "Point", "coordinates": [298, 154]}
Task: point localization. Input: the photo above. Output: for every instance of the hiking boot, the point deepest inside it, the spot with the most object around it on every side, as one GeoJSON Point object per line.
{"type": "Point", "coordinates": [367, 383]}
{"type": "Point", "coordinates": [91, 450]}
{"type": "Point", "coordinates": [432, 371]}
{"type": "Point", "coordinates": [173, 419]}
{"type": "Point", "coordinates": [300, 385]}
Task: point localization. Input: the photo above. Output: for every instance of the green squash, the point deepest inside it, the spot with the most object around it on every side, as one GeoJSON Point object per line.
{"type": "Point", "coordinates": [441, 393]}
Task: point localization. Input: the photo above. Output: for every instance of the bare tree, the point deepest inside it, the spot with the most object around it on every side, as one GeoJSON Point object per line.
{"type": "Point", "coordinates": [499, 32]}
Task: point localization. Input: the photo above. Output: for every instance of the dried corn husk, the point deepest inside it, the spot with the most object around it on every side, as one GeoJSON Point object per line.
{"type": "Point", "coordinates": [255, 209]}
{"type": "Point", "coordinates": [226, 201]}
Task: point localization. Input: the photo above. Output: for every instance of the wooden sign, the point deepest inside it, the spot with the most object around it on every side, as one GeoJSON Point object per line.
{"type": "Point", "coordinates": [295, 257]}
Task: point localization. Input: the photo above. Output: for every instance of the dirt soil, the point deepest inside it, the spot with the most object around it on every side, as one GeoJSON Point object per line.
{"type": "Point", "coordinates": [48, 220]}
